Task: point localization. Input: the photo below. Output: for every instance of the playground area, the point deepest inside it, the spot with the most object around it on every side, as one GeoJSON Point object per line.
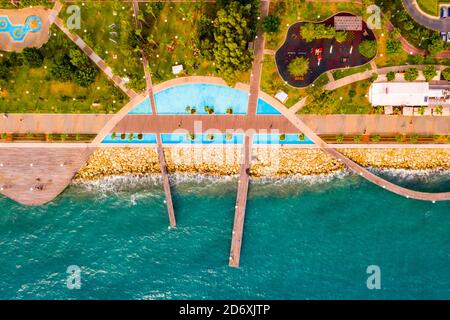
{"type": "Point", "coordinates": [324, 54]}
{"type": "Point", "coordinates": [23, 28]}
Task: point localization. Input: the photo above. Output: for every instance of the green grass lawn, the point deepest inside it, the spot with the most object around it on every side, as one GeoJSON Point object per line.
{"type": "Point", "coordinates": [171, 28]}
{"type": "Point", "coordinates": [32, 89]}
{"type": "Point", "coordinates": [350, 99]}
{"type": "Point", "coordinates": [106, 28]}
{"type": "Point", "coordinates": [431, 6]}
{"type": "Point", "coordinates": [271, 82]}
{"type": "Point", "coordinates": [342, 73]}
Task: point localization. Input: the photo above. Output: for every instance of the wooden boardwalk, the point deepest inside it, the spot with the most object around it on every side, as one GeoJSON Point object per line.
{"type": "Point", "coordinates": [159, 146]}
{"type": "Point", "coordinates": [241, 203]}
{"type": "Point", "coordinates": [166, 182]}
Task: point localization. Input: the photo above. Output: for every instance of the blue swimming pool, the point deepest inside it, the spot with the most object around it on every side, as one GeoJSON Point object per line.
{"type": "Point", "coordinates": [201, 98]}
{"type": "Point", "coordinates": [133, 138]}
{"type": "Point", "coordinates": [142, 108]}
{"type": "Point", "coordinates": [217, 138]}
{"type": "Point", "coordinates": [289, 138]}
{"type": "Point", "coordinates": [266, 108]}
{"type": "Point", "coordinates": [18, 32]}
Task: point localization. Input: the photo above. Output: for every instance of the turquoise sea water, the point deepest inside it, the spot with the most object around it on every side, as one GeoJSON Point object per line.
{"type": "Point", "coordinates": [303, 240]}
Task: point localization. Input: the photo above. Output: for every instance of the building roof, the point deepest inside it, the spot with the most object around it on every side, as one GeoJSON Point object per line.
{"type": "Point", "coordinates": [282, 96]}
{"type": "Point", "coordinates": [348, 23]}
{"type": "Point", "coordinates": [399, 94]}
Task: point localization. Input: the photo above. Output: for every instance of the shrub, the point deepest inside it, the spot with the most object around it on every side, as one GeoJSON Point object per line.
{"type": "Point", "coordinates": [33, 57]}
{"type": "Point", "coordinates": [390, 76]}
{"type": "Point", "coordinates": [114, 136]}
{"type": "Point", "coordinates": [229, 110]}
{"type": "Point", "coordinates": [187, 109]}
{"type": "Point", "coordinates": [422, 110]}
{"type": "Point", "coordinates": [140, 136]}
{"type": "Point", "coordinates": [375, 138]}
{"type": "Point", "coordinates": [341, 36]}
{"type": "Point", "coordinates": [228, 136]}
{"type": "Point", "coordinates": [414, 138]}
{"type": "Point", "coordinates": [130, 136]}
{"type": "Point", "coordinates": [446, 74]}
{"type": "Point", "coordinates": [298, 66]}
{"type": "Point", "coordinates": [368, 48]}
{"type": "Point", "coordinates": [399, 138]}
{"type": "Point", "coordinates": [301, 137]}
{"type": "Point", "coordinates": [439, 110]}
{"type": "Point", "coordinates": [313, 31]}
{"type": "Point", "coordinates": [271, 24]}
{"type": "Point", "coordinates": [340, 138]}
{"type": "Point", "coordinates": [357, 138]}
{"type": "Point", "coordinates": [191, 136]}
{"type": "Point", "coordinates": [411, 74]}
{"type": "Point", "coordinates": [282, 137]}
{"type": "Point", "coordinates": [393, 46]}
{"type": "Point", "coordinates": [210, 137]}
{"type": "Point", "coordinates": [429, 72]}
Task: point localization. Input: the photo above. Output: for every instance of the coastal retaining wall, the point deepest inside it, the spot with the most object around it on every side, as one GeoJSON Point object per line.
{"type": "Point", "coordinates": [266, 162]}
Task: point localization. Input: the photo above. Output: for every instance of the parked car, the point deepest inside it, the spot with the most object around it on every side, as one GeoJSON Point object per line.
{"type": "Point", "coordinates": [448, 11]}
{"type": "Point", "coordinates": [443, 12]}
{"type": "Point", "coordinates": [444, 36]}
{"type": "Point", "coordinates": [448, 36]}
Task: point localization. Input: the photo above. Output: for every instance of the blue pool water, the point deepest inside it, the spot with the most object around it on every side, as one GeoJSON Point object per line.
{"type": "Point", "coordinates": [266, 108]}
{"type": "Point", "coordinates": [219, 138]}
{"type": "Point", "coordinates": [302, 240]}
{"type": "Point", "coordinates": [146, 138]}
{"type": "Point", "coordinates": [142, 108]}
{"type": "Point", "coordinates": [290, 138]}
{"type": "Point", "coordinates": [174, 100]}
{"type": "Point", "coordinates": [18, 32]}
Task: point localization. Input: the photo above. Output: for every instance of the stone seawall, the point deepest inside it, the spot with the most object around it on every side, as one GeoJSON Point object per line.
{"type": "Point", "coordinates": [266, 162]}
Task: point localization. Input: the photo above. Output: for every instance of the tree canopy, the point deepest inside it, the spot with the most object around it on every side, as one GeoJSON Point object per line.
{"type": "Point", "coordinates": [232, 35]}
{"type": "Point", "coordinates": [368, 48]}
{"type": "Point", "coordinates": [312, 31]}
{"type": "Point", "coordinates": [298, 67]}
{"type": "Point", "coordinates": [411, 74]}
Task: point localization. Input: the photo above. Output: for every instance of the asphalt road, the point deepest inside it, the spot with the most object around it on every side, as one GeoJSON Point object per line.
{"type": "Point", "coordinates": [436, 24]}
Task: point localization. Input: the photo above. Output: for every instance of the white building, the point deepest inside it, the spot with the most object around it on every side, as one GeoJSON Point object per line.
{"type": "Point", "coordinates": [410, 94]}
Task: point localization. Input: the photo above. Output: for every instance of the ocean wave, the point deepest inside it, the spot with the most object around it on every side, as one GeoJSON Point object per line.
{"type": "Point", "coordinates": [302, 179]}
{"type": "Point", "coordinates": [406, 174]}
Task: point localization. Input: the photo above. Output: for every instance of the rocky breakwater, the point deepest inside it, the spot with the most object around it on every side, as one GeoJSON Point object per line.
{"type": "Point", "coordinates": [266, 161]}
{"type": "Point", "coordinates": [119, 162]}
{"type": "Point", "coordinates": [409, 159]}
{"type": "Point", "coordinates": [287, 161]}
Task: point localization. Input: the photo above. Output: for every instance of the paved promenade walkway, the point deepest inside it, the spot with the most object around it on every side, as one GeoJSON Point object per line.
{"type": "Point", "coordinates": [367, 74]}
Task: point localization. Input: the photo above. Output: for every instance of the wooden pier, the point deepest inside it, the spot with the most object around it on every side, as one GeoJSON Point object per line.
{"type": "Point", "coordinates": [159, 146]}
{"type": "Point", "coordinates": [166, 182]}
{"type": "Point", "coordinates": [241, 203]}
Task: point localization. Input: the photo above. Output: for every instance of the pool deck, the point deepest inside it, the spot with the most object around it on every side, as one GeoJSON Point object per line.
{"type": "Point", "coordinates": [321, 124]}
{"type": "Point", "coordinates": [32, 39]}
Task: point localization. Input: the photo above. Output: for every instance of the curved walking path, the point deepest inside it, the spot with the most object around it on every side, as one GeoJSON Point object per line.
{"type": "Point", "coordinates": [367, 74]}
{"type": "Point", "coordinates": [363, 172]}
{"type": "Point", "coordinates": [424, 19]}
